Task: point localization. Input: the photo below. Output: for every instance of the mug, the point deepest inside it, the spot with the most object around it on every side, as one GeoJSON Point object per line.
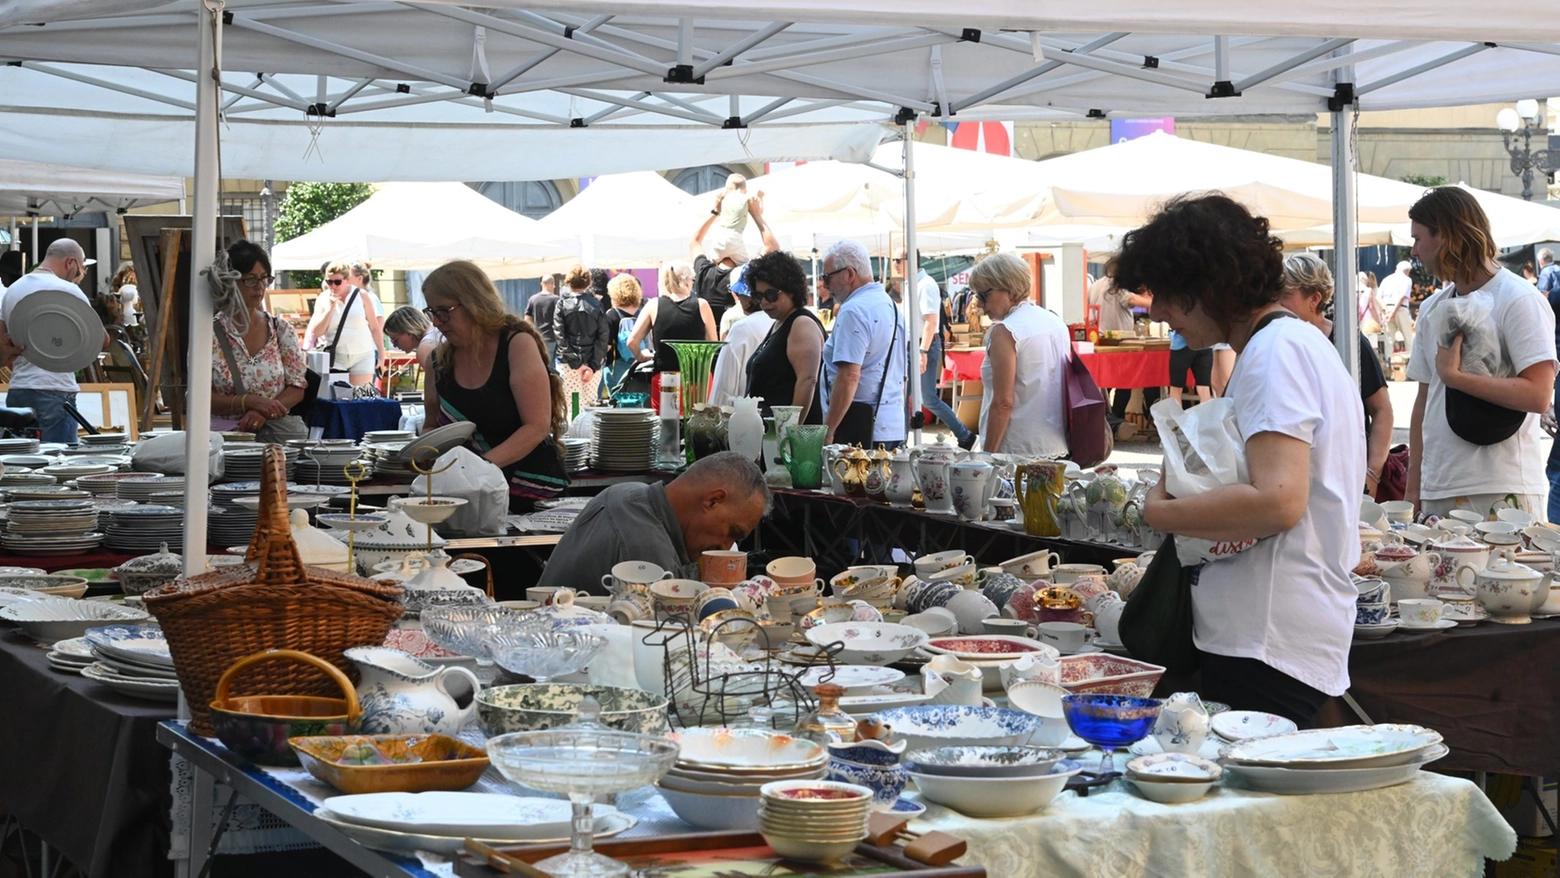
{"type": "Point", "coordinates": [1012, 627]}
{"type": "Point", "coordinates": [1067, 637]}
{"type": "Point", "coordinates": [1035, 565]}
{"type": "Point", "coordinates": [723, 566]}
{"type": "Point", "coordinates": [633, 576]}
{"type": "Point", "coordinates": [1419, 612]}
{"type": "Point", "coordinates": [802, 452]}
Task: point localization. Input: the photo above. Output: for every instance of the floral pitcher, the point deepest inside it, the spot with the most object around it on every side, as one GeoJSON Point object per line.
{"type": "Point", "coordinates": [402, 695]}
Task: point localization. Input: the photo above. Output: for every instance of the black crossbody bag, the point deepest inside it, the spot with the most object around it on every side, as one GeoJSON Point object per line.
{"type": "Point", "coordinates": [856, 427]}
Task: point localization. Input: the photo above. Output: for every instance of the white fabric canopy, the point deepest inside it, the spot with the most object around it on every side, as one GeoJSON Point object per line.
{"type": "Point", "coordinates": [420, 226]}
{"type": "Point", "coordinates": [620, 221]}
{"type": "Point", "coordinates": [47, 189]}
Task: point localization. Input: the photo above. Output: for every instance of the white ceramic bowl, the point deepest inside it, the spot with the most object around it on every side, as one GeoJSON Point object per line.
{"type": "Point", "coordinates": [996, 796]}
{"type": "Point", "coordinates": [1174, 768]}
{"type": "Point", "coordinates": [930, 726]}
{"type": "Point", "coordinates": [1170, 793]}
{"type": "Point", "coordinates": [705, 811]}
{"type": "Point", "coordinates": [869, 643]}
{"type": "Point", "coordinates": [53, 619]}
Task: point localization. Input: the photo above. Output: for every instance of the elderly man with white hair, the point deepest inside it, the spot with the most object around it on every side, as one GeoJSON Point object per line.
{"type": "Point", "coordinates": [64, 265]}
{"type": "Point", "coordinates": [1393, 296]}
{"type": "Point", "coordinates": [864, 358]}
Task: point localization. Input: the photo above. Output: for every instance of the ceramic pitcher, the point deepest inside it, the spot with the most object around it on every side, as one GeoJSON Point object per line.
{"type": "Point", "coordinates": [745, 433]}
{"type": "Point", "coordinates": [403, 695]}
{"type": "Point", "coordinates": [951, 681]}
{"type": "Point", "coordinates": [901, 477]}
{"type": "Point", "coordinates": [1039, 485]}
{"type": "Point", "coordinates": [802, 452]}
{"type": "Point", "coordinates": [1183, 724]}
{"type": "Point", "coordinates": [932, 475]}
{"type": "Point", "coordinates": [831, 453]}
{"type": "Point", "coordinates": [973, 482]}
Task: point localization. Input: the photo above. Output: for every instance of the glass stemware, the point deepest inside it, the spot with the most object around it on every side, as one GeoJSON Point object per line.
{"type": "Point", "coordinates": [548, 654]}
{"type": "Point", "coordinates": [478, 631]}
{"type": "Point", "coordinates": [582, 761]}
{"type": "Point", "coordinates": [1110, 721]}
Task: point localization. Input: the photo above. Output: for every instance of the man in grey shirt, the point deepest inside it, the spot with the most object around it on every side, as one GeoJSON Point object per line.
{"type": "Point", "coordinates": [714, 503]}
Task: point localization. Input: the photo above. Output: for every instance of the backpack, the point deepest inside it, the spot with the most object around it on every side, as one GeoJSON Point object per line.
{"type": "Point", "coordinates": [625, 331]}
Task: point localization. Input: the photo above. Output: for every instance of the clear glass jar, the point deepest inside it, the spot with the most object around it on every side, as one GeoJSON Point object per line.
{"type": "Point", "coordinates": [827, 723]}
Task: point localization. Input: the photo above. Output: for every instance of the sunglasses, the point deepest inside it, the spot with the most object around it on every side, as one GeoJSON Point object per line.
{"type": "Point", "coordinates": [983, 295]}
{"type": "Point", "coordinates": [257, 283]}
{"type": "Point", "coordinates": [829, 274]}
{"type": "Point", "coordinates": [336, 282]}
{"type": "Point", "coordinates": [769, 295]}
{"type": "Point", "coordinates": [439, 315]}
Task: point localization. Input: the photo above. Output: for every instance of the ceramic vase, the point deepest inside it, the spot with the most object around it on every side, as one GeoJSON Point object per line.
{"type": "Point", "coordinates": [745, 434]}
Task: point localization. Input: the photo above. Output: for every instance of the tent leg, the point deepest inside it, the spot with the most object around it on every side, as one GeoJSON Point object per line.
{"type": "Point", "coordinates": [203, 246]}
{"type": "Point", "coordinates": [912, 300]}
{"type": "Point", "coordinates": [1345, 259]}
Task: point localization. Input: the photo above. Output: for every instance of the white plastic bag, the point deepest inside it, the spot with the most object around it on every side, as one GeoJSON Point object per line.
{"type": "Point", "coordinates": [165, 454]}
{"type": "Point", "coordinates": [480, 483]}
{"type": "Point", "coordinates": [1473, 317]}
{"type": "Point", "coordinates": [1203, 451]}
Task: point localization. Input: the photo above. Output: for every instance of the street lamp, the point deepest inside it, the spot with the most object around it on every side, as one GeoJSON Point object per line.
{"type": "Point", "coordinates": [1522, 122]}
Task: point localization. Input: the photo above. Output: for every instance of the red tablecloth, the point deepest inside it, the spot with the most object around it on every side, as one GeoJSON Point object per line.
{"type": "Point", "coordinates": [1110, 368]}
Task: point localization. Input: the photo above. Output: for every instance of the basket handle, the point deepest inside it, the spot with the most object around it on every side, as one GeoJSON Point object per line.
{"type": "Point", "coordinates": [353, 707]}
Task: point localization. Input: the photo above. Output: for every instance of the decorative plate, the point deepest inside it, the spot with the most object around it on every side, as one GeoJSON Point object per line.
{"type": "Point", "coordinates": [749, 749]}
{"type": "Point", "coordinates": [60, 331]}
{"type": "Point", "coordinates": [857, 679]}
{"type": "Point", "coordinates": [989, 646]}
{"type": "Point", "coordinates": [463, 814]}
{"type": "Point", "coordinates": [1242, 725]}
{"type": "Point", "coordinates": [1375, 746]}
{"type": "Point", "coordinates": [607, 825]}
{"type": "Point", "coordinates": [1306, 781]}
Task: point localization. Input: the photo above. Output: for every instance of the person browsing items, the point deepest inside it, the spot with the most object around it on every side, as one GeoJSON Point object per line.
{"type": "Point", "coordinates": [257, 370]}
{"type": "Point", "coordinates": [1023, 398]}
{"type": "Point", "coordinates": [346, 321]}
{"type": "Point", "coordinates": [864, 357]}
{"type": "Point", "coordinates": [784, 369]}
{"type": "Point", "coordinates": [677, 314]}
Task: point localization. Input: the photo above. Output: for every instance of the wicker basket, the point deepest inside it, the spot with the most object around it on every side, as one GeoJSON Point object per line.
{"type": "Point", "coordinates": [270, 602]}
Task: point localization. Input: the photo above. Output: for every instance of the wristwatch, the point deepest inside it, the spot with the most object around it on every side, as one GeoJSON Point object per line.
{"type": "Point", "coordinates": [714, 213]}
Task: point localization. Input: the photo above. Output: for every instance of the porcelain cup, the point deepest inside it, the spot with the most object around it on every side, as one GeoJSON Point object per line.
{"type": "Point", "coordinates": [927, 565]}
{"type": "Point", "coordinates": [1419, 612]}
{"type": "Point", "coordinates": [676, 597]}
{"type": "Point", "coordinates": [792, 570]}
{"type": "Point", "coordinates": [1371, 590]}
{"type": "Point", "coordinates": [1107, 620]}
{"type": "Point", "coordinates": [936, 626]}
{"type": "Point", "coordinates": [633, 576]}
{"type": "Point", "coordinates": [1063, 574]}
{"type": "Point", "coordinates": [542, 594]}
{"type": "Point", "coordinates": [1400, 511]}
{"type": "Point", "coordinates": [1035, 565]}
{"type": "Point", "coordinates": [971, 608]}
{"type": "Point", "coordinates": [1013, 627]}
{"type": "Point", "coordinates": [1514, 516]}
{"type": "Point", "coordinates": [1466, 516]}
{"type": "Point", "coordinates": [966, 575]}
{"type": "Point", "coordinates": [1067, 637]}
{"type": "Point", "coordinates": [1400, 588]}
{"type": "Point", "coordinates": [631, 607]}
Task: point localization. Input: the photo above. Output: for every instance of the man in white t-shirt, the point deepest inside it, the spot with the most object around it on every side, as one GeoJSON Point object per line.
{"type": "Point", "coordinates": [863, 364]}
{"type": "Point", "coordinates": [1393, 297]}
{"type": "Point", "coordinates": [1446, 470]}
{"type": "Point", "coordinates": [64, 265]}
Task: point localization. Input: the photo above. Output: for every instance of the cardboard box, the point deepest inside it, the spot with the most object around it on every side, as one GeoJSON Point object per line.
{"type": "Point", "coordinates": [1535, 858]}
{"type": "Point", "coordinates": [1518, 806]}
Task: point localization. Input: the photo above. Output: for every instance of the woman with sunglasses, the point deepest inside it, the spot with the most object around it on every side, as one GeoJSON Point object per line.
{"type": "Point", "coordinates": [257, 371]}
{"type": "Point", "coordinates": [347, 323]}
{"type": "Point", "coordinates": [1023, 406]}
{"type": "Point", "coordinates": [492, 370]}
{"type": "Point", "coordinates": [784, 369]}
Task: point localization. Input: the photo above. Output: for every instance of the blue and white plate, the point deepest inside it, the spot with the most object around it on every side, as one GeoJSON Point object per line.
{"type": "Point", "coordinates": [143, 644]}
{"type": "Point", "coordinates": [906, 808]}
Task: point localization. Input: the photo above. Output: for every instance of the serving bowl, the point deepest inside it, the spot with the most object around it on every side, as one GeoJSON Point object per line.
{"type": "Point", "coordinates": [868, 643]}
{"type": "Point", "coordinates": [996, 796]}
{"type": "Point", "coordinates": [58, 586]}
{"type": "Point", "coordinates": [990, 646]}
{"type": "Point", "coordinates": [258, 727]}
{"type": "Point", "coordinates": [52, 619]}
{"type": "Point", "coordinates": [713, 810]}
{"type": "Point", "coordinates": [930, 726]}
{"type": "Point", "coordinates": [1100, 673]}
{"type": "Point", "coordinates": [391, 763]}
{"type": "Point", "coordinates": [1171, 793]}
{"type": "Point", "coordinates": [1178, 768]}
{"type": "Point", "coordinates": [1010, 761]}
{"type": "Point", "coordinates": [537, 706]}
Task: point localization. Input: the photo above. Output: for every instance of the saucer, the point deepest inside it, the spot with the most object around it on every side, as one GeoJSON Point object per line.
{"type": "Point", "coordinates": [906, 808]}
{"type": "Point", "coordinates": [1074, 744]}
{"type": "Point", "coordinates": [1441, 625]}
{"type": "Point", "coordinates": [1373, 632]}
{"type": "Point", "coordinates": [1083, 650]}
{"type": "Point", "coordinates": [1109, 646]}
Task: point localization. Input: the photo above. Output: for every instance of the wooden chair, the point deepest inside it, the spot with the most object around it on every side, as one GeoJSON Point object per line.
{"type": "Point", "coordinates": [488, 565]}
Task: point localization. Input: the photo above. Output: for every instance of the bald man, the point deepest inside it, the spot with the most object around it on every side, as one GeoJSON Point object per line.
{"type": "Point", "coordinates": [714, 503]}
{"type": "Point", "coordinates": [64, 265]}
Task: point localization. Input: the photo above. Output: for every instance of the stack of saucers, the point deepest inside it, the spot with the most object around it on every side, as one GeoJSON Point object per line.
{"type": "Point", "coordinates": [107, 484]}
{"type": "Point", "coordinates": [242, 463]}
{"type": "Point", "coordinates": [400, 437]}
{"type": "Point", "coordinates": [19, 446]}
{"type": "Point", "coordinates": [51, 527]}
{"type": "Point", "coordinates": [133, 660]}
{"type": "Point", "coordinates": [576, 454]}
{"type": "Point", "coordinates": [144, 528]}
{"type": "Point", "coordinates": [231, 523]}
{"type": "Point", "coordinates": [71, 656]}
{"type": "Point", "coordinates": [103, 440]}
{"type": "Point", "coordinates": [624, 440]}
{"type": "Point", "coordinates": [386, 457]}
{"type": "Point", "coordinates": [24, 479]}
{"type": "Point", "coordinates": [141, 490]}
{"type": "Point", "coordinates": [813, 821]}
{"type": "Point", "coordinates": [45, 492]}
{"type": "Point", "coordinates": [719, 772]}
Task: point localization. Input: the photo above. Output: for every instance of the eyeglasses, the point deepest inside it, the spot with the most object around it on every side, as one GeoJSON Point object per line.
{"type": "Point", "coordinates": [769, 295]}
{"type": "Point", "coordinates": [983, 295]}
{"type": "Point", "coordinates": [335, 281]}
{"type": "Point", "coordinates": [439, 315]}
{"type": "Point", "coordinates": [829, 274]}
{"type": "Point", "coordinates": [257, 283]}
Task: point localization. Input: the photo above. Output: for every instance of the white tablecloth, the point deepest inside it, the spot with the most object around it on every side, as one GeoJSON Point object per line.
{"type": "Point", "coordinates": [1435, 826]}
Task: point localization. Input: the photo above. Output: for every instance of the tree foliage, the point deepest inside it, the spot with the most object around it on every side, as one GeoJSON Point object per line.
{"type": "Point", "coordinates": [307, 206]}
{"type": "Point", "coordinates": [1428, 181]}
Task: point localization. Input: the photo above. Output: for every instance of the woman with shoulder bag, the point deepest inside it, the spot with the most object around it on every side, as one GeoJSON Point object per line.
{"type": "Point", "coordinates": [1272, 625]}
{"type": "Point", "coordinates": [257, 370]}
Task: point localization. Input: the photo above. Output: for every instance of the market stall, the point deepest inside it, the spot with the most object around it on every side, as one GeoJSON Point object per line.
{"type": "Point", "coordinates": [1123, 366]}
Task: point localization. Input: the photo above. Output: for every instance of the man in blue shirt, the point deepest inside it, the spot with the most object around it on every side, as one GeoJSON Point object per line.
{"type": "Point", "coordinates": [864, 358]}
{"type": "Point", "coordinates": [1549, 285]}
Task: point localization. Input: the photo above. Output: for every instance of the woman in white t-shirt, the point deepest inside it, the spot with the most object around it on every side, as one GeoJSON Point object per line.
{"type": "Point", "coordinates": [1024, 395]}
{"type": "Point", "coordinates": [1272, 624]}
{"type": "Point", "coordinates": [1447, 470]}
{"type": "Point", "coordinates": [360, 337]}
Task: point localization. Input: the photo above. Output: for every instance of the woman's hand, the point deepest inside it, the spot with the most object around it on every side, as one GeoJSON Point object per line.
{"type": "Point", "coordinates": [251, 421]}
{"type": "Point", "coordinates": [270, 408]}
{"type": "Point", "coordinates": [1152, 503]}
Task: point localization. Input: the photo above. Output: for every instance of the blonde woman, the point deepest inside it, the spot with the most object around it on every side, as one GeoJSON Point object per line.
{"type": "Point", "coordinates": [1023, 403]}
{"type": "Point", "coordinates": [346, 325]}
{"type": "Point", "coordinates": [491, 370]}
{"type": "Point", "coordinates": [675, 315]}
{"type": "Point", "coordinates": [627, 298]}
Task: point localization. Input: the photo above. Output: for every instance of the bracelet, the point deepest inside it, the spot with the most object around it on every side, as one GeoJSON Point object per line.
{"type": "Point", "coordinates": [714, 213]}
{"type": "Point", "coordinates": [1372, 474]}
{"type": "Point", "coordinates": [243, 404]}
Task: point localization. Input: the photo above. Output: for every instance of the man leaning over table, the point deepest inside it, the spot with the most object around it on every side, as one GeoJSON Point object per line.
{"type": "Point", "coordinates": [716, 502]}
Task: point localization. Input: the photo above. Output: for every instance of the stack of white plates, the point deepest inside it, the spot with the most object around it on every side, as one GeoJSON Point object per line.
{"type": "Point", "coordinates": [51, 517]}
{"type": "Point", "coordinates": [144, 528]}
{"type": "Point", "coordinates": [19, 446]}
{"type": "Point", "coordinates": [19, 479]}
{"type": "Point", "coordinates": [52, 544]}
{"type": "Point", "coordinates": [25, 462]}
{"type": "Point", "coordinates": [1338, 760]}
{"type": "Point", "coordinates": [44, 492]}
{"type": "Point", "coordinates": [100, 440]}
{"type": "Point", "coordinates": [106, 503]}
{"type": "Point", "coordinates": [71, 656]}
{"type": "Point", "coordinates": [399, 437]}
{"type": "Point", "coordinates": [624, 440]}
{"type": "Point", "coordinates": [244, 464]}
{"type": "Point", "coordinates": [96, 450]}
{"type": "Point", "coordinates": [64, 471]}
{"type": "Point", "coordinates": [332, 472]}
{"type": "Point", "coordinates": [141, 490]}
{"type": "Point", "coordinates": [133, 660]}
{"type": "Point", "coordinates": [576, 454]}
{"type": "Point", "coordinates": [386, 458]}
{"type": "Point", "coordinates": [229, 523]}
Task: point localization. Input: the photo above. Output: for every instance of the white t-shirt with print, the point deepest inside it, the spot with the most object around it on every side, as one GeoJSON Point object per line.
{"type": "Point", "coordinates": [24, 374]}
{"type": "Point", "coordinates": [1449, 465]}
{"type": "Point", "coordinates": [1288, 601]}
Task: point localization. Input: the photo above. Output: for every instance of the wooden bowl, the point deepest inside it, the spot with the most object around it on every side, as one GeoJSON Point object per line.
{"type": "Point", "coordinates": [446, 764]}
{"type": "Point", "coordinates": [257, 727]}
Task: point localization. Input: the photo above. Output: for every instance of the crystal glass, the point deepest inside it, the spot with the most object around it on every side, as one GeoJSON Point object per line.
{"type": "Point", "coordinates": [547, 654]}
{"type": "Point", "coordinates": [696, 360]}
{"type": "Point", "coordinates": [479, 631]}
{"type": "Point", "coordinates": [582, 761]}
{"type": "Point", "coordinates": [1110, 721]}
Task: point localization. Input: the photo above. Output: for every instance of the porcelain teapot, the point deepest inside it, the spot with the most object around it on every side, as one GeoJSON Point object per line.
{"type": "Point", "coordinates": [1183, 724]}
{"type": "Point", "coordinates": [974, 483]}
{"type": "Point", "coordinates": [1511, 592]}
{"type": "Point", "coordinates": [951, 681]}
{"type": "Point", "coordinates": [942, 450]}
{"type": "Point", "coordinates": [851, 468]}
{"type": "Point", "coordinates": [403, 695]}
{"type": "Point", "coordinates": [901, 477]}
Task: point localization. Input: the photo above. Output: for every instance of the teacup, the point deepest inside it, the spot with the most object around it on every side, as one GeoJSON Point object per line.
{"type": "Point", "coordinates": [926, 565]}
{"type": "Point", "coordinates": [542, 594]}
{"type": "Point", "coordinates": [1400, 588]}
{"type": "Point", "coordinates": [1371, 590]}
{"type": "Point", "coordinates": [1063, 574]}
{"type": "Point", "coordinates": [1088, 588]}
{"type": "Point", "coordinates": [971, 608]}
{"type": "Point", "coordinates": [1514, 516]}
{"type": "Point", "coordinates": [1419, 612]}
{"type": "Point", "coordinates": [631, 607]}
{"type": "Point", "coordinates": [714, 600]}
{"type": "Point", "coordinates": [966, 575]}
{"type": "Point", "coordinates": [723, 566]}
{"type": "Point", "coordinates": [851, 577]}
{"type": "Point", "coordinates": [676, 597]}
{"type": "Point", "coordinates": [792, 570]}
{"type": "Point", "coordinates": [1462, 609]}
{"type": "Point", "coordinates": [1107, 620]}
{"type": "Point", "coordinates": [830, 611]}
{"type": "Point", "coordinates": [1370, 613]}
{"type": "Point", "coordinates": [1400, 511]}
{"type": "Point", "coordinates": [633, 576]}
{"type": "Point", "coordinates": [1467, 516]}
{"type": "Point", "coordinates": [1067, 637]}
{"type": "Point", "coordinates": [1035, 565]}
{"type": "Point", "coordinates": [931, 593]}
{"type": "Point", "coordinates": [1011, 627]}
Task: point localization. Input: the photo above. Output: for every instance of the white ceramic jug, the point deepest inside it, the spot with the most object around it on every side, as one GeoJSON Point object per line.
{"type": "Point", "coordinates": [932, 475]}
{"type": "Point", "coordinates": [951, 681]}
{"type": "Point", "coordinates": [1183, 724]}
{"type": "Point", "coordinates": [745, 431]}
{"type": "Point", "coordinates": [973, 482]}
{"type": "Point", "coordinates": [403, 695]}
{"type": "Point", "coordinates": [901, 477]}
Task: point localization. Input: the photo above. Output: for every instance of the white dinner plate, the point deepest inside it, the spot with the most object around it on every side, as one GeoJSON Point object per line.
{"type": "Point", "coordinates": [1362, 746]}
{"type": "Point", "coordinates": [149, 690]}
{"type": "Point", "coordinates": [460, 814]}
{"type": "Point", "coordinates": [441, 438]}
{"type": "Point", "coordinates": [1438, 625]}
{"type": "Point", "coordinates": [1302, 781]}
{"type": "Point", "coordinates": [60, 331]}
{"type": "Point", "coordinates": [449, 845]}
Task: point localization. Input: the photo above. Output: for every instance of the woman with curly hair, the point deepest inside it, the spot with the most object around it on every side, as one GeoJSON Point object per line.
{"type": "Point", "coordinates": [1272, 624]}
{"type": "Point", "coordinates": [492, 370]}
{"type": "Point", "coordinates": [784, 369]}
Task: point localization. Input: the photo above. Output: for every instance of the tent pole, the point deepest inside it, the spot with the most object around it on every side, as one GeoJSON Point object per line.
{"type": "Point", "coordinates": [203, 246]}
{"type": "Point", "coordinates": [1346, 316]}
{"type": "Point", "coordinates": [912, 272]}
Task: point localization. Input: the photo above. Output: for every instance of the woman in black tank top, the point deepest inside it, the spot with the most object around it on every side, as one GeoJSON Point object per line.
{"type": "Point", "coordinates": [675, 315]}
{"type": "Point", "coordinates": [784, 370]}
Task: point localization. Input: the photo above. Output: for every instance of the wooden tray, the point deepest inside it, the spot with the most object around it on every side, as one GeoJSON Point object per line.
{"type": "Point", "coordinates": [727, 855]}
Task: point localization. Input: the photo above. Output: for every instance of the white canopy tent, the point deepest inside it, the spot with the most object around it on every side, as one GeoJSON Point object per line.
{"type": "Point", "coordinates": [42, 189]}
{"type": "Point", "coordinates": [420, 226]}
{"type": "Point", "coordinates": [637, 56]}
{"type": "Point", "coordinates": [620, 221]}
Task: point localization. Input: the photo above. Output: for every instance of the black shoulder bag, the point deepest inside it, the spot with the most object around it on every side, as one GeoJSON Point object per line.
{"type": "Point", "coordinates": [856, 427]}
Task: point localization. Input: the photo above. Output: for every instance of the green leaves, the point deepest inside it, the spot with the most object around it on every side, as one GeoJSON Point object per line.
{"type": "Point", "coordinates": [307, 206]}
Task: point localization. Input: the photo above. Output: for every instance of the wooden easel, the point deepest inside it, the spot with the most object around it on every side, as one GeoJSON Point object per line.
{"type": "Point", "coordinates": [174, 242]}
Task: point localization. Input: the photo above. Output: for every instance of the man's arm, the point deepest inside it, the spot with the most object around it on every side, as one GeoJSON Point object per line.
{"type": "Point", "coordinates": [9, 350]}
{"type": "Point", "coordinates": [696, 245]}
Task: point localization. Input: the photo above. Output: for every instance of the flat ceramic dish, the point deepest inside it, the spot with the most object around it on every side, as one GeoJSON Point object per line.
{"type": "Point", "coordinates": [989, 646]}
{"type": "Point", "coordinates": [1243, 725]}
{"type": "Point", "coordinates": [408, 842]}
{"type": "Point", "coordinates": [1377, 746]}
{"type": "Point", "coordinates": [1290, 781]}
{"type": "Point", "coordinates": [1149, 746]}
{"type": "Point", "coordinates": [60, 331]}
{"type": "Point", "coordinates": [746, 750]}
{"type": "Point", "coordinates": [441, 438]}
{"type": "Point", "coordinates": [872, 703]}
{"type": "Point", "coordinates": [857, 679]}
{"type": "Point", "coordinates": [1375, 632]}
{"type": "Point", "coordinates": [148, 690]}
{"type": "Point", "coordinates": [143, 644]}
{"type": "Point", "coordinates": [460, 814]}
